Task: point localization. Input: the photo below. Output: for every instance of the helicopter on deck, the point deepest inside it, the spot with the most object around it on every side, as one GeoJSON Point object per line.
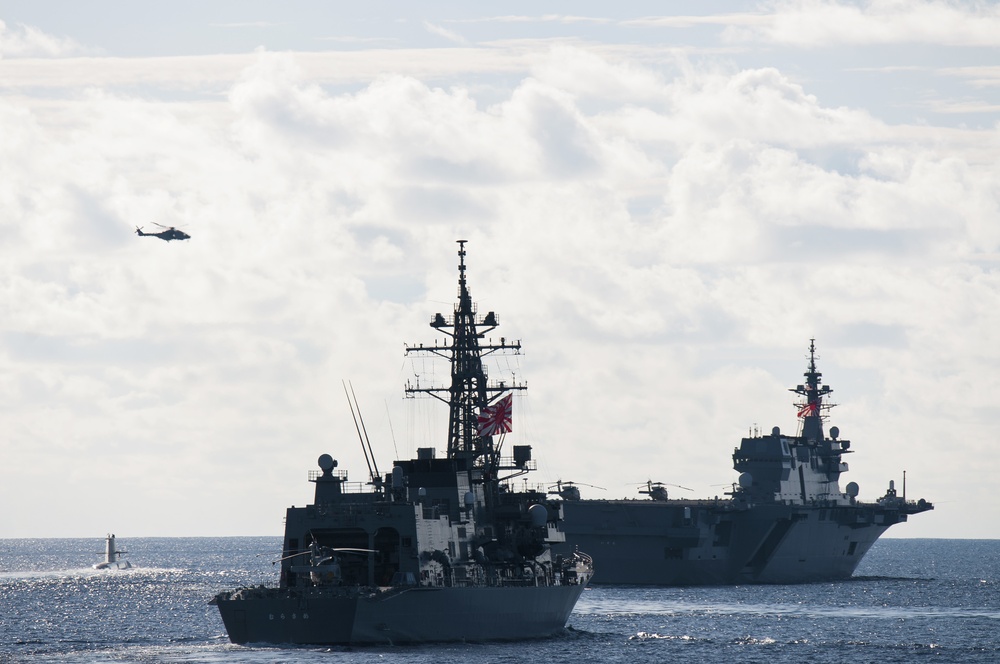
{"type": "Point", "coordinates": [658, 490]}
{"type": "Point", "coordinates": [570, 490]}
{"type": "Point", "coordinates": [168, 233]}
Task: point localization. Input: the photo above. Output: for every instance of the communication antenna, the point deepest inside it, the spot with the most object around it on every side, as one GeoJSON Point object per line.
{"type": "Point", "coordinates": [392, 433]}
{"type": "Point", "coordinates": [366, 445]}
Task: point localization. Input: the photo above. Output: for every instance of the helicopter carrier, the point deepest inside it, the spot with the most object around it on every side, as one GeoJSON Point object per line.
{"type": "Point", "coordinates": [785, 521]}
{"type": "Point", "coordinates": [439, 549]}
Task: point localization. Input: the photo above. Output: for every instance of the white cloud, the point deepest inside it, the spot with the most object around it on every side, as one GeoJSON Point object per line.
{"type": "Point", "coordinates": [664, 239]}
{"type": "Point", "coordinates": [440, 31]}
{"type": "Point", "coordinates": [544, 18]}
{"type": "Point", "coordinates": [26, 41]}
{"type": "Point", "coordinates": [824, 23]}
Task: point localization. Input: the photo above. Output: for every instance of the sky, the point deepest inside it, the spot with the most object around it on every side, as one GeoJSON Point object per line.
{"type": "Point", "coordinates": [664, 208]}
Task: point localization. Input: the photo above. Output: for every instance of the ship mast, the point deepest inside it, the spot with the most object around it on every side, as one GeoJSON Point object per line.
{"type": "Point", "coordinates": [811, 411]}
{"type": "Point", "coordinates": [470, 390]}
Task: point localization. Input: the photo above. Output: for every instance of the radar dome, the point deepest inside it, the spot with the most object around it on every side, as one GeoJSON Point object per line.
{"type": "Point", "coordinates": [539, 515]}
{"type": "Point", "coordinates": [834, 432]}
{"type": "Point", "coordinates": [326, 462]}
{"type": "Point", "coordinates": [776, 431]}
{"type": "Point", "coordinates": [746, 480]}
{"type": "Point", "coordinates": [853, 489]}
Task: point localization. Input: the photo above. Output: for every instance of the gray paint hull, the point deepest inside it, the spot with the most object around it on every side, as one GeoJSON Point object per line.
{"type": "Point", "coordinates": [655, 543]}
{"type": "Point", "coordinates": [414, 615]}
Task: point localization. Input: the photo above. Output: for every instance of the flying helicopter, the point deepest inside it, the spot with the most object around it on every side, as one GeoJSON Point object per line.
{"type": "Point", "coordinates": [168, 233]}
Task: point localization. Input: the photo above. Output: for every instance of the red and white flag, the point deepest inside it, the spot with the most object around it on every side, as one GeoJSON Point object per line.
{"type": "Point", "coordinates": [808, 409]}
{"type": "Point", "coordinates": [496, 419]}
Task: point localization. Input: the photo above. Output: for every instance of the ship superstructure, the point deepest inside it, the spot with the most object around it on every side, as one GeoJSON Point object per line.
{"type": "Point", "coordinates": [786, 520]}
{"type": "Point", "coordinates": [439, 549]}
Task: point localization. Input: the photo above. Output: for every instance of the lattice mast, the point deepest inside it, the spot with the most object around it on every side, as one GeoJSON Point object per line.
{"type": "Point", "coordinates": [470, 390]}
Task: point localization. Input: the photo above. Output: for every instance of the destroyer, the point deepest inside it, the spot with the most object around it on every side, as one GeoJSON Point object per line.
{"type": "Point", "coordinates": [786, 521]}
{"type": "Point", "coordinates": [438, 549]}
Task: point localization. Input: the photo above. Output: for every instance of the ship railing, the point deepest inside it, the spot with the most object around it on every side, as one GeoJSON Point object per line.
{"type": "Point", "coordinates": [508, 463]}
{"type": "Point", "coordinates": [339, 474]}
{"type": "Point", "coordinates": [496, 582]}
{"type": "Point", "coordinates": [345, 510]}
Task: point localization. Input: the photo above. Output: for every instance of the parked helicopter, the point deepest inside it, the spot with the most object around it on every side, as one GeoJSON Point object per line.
{"type": "Point", "coordinates": [570, 490]}
{"type": "Point", "coordinates": [658, 490]}
{"type": "Point", "coordinates": [168, 233]}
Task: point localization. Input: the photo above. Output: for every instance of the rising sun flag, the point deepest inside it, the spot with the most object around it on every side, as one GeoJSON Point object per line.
{"type": "Point", "coordinates": [495, 419]}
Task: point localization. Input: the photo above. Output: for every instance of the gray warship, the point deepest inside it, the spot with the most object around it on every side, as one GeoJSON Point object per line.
{"type": "Point", "coordinates": [439, 549]}
{"type": "Point", "coordinates": [785, 521]}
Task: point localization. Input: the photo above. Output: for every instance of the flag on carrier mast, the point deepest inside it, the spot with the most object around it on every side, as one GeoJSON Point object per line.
{"type": "Point", "coordinates": [495, 419]}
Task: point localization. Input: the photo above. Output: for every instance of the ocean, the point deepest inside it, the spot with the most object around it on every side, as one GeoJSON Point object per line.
{"type": "Point", "coordinates": [910, 601]}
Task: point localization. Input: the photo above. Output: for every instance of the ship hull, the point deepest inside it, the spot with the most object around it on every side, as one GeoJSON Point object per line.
{"type": "Point", "coordinates": [413, 615]}
{"type": "Point", "coordinates": [687, 542]}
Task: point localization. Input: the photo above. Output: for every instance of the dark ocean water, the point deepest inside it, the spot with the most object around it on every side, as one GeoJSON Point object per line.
{"type": "Point", "coordinates": [910, 601]}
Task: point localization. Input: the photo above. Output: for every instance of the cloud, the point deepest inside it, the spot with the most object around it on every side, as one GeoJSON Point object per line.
{"type": "Point", "coordinates": [248, 24]}
{"type": "Point", "coordinates": [444, 32]}
{"type": "Point", "coordinates": [665, 249]}
{"type": "Point", "coordinates": [816, 24]}
{"type": "Point", "coordinates": [25, 41]}
{"type": "Point", "coordinates": [214, 74]}
{"type": "Point", "coordinates": [545, 18]}
{"type": "Point", "coordinates": [825, 23]}
{"type": "Point", "coordinates": [348, 39]}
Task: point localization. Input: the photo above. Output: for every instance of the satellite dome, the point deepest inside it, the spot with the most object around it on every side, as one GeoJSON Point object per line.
{"type": "Point", "coordinates": [746, 480]}
{"type": "Point", "coordinates": [539, 515]}
{"type": "Point", "coordinates": [853, 489]}
{"type": "Point", "coordinates": [834, 432]}
{"type": "Point", "coordinates": [326, 462]}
